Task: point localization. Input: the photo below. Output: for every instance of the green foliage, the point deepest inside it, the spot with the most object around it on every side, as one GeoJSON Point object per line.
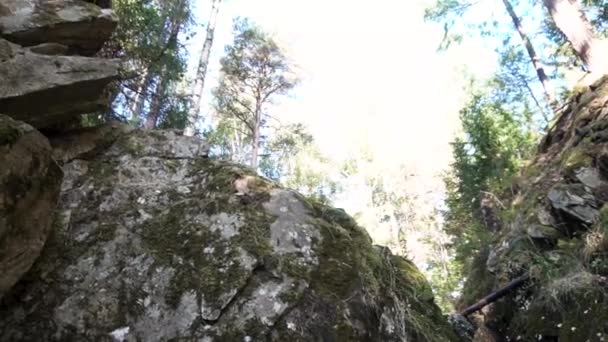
{"type": "Point", "coordinates": [255, 72]}
{"type": "Point", "coordinates": [492, 150]}
{"type": "Point", "coordinates": [148, 39]}
{"type": "Point", "coordinates": [254, 69]}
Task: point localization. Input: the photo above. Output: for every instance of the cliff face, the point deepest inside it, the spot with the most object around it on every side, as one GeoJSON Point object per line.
{"type": "Point", "coordinates": [556, 230]}
{"type": "Point", "coordinates": [115, 234]}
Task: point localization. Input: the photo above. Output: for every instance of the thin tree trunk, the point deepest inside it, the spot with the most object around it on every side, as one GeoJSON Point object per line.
{"type": "Point", "coordinates": [155, 105]}
{"type": "Point", "coordinates": [159, 93]}
{"type": "Point", "coordinates": [540, 72]}
{"type": "Point", "coordinates": [201, 71]}
{"type": "Point", "coordinates": [494, 296]}
{"type": "Point", "coordinates": [256, 138]}
{"type": "Point", "coordinates": [571, 21]}
{"type": "Point", "coordinates": [140, 97]}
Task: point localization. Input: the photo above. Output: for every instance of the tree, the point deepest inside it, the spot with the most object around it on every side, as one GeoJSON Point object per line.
{"type": "Point", "coordinates": [540, 71]}
{"type": "Point", "coordinates": [201, 71]}
{"type": "Point", "coordinates": [491, 151]}
{"type": "Point", "coordinates": [577, 29]}
{"type": "Point", "coordinates": [253, 72]}
{"type": "Point", "coordinates": [148, 40]}
{"type": "Point", "coordinates": [175, 20]}
{"type": "Point", "coordinates": [449, 11]}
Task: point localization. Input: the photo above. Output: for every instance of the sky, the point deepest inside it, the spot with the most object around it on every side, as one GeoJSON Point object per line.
{"type": "Point", "coordinates": [372, 79]}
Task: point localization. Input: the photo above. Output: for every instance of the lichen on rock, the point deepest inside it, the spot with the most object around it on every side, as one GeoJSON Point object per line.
{"type": "Point", "coordinates": [153, 242]}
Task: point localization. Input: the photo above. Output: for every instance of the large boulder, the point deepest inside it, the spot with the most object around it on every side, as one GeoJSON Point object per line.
{"type": "Point", "coordinates": [79, 25]}
{"type": "Point", "coordinates": [154, 241]}
{"type": "Point", "coordinates": [47, 89]}
{"type": "Point", "coordinates": [29, 190]}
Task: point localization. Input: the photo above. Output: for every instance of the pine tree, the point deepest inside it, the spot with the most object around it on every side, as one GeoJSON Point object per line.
{"type": "Point", "coordinates": [254, 71]}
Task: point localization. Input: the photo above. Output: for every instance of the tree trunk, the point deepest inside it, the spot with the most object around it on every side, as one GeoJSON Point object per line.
{"type": "Point", "coordinates": [201, 71]}
{"type": "Point", "coordinates": [573, 24]}
{"type": "Point", "coordinates": [255, 144]}
{"type": "Point", "coordinates": [159, 93]}
{"type": "Point", "coordinates": [540, 72]}
{"type": "Point", "coordinates": [140, 97]}
{"type": "Point", "coordinates": [494, 296]}
{"type": "Point", "coordinates": [155, 105]}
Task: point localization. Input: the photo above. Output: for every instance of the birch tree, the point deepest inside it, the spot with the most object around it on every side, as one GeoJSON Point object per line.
{"type": "Point", "coordinates": [201, 71]}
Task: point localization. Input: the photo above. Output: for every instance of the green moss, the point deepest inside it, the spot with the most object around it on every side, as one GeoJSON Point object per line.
{"type": "Point", "coordinates": [348, 263]}
{"type": "Point", "coordinates": [176, 241]}
{"type": "Point", "coordinates": [576, 158]}
{"type": "Point", "coordinates": [571, 308]}
{"type": "Point", "coordinates": [603, 218]}
{"type": "Point", "coordinates": [9, 134]}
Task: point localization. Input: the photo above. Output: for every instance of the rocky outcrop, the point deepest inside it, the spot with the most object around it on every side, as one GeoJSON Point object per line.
{"type": "Point", "coordinates": [556, 230]}
{"type": "Point", "coordinates": [150, 240]}
{"type": "Point", "coordinates": [44, 90]}
{"type": "Point", "coordinates": [81, 26]}
{"type": "Point", "coordinates": [41, 86]}
{"type": "Point", "coordinates": [153, 241]}
{"type": "Point", "coordinates": [29, 188]}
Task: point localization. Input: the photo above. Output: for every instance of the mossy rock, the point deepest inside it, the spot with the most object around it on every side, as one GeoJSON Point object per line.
{"type": "Point", "coordinates": [157, 242]}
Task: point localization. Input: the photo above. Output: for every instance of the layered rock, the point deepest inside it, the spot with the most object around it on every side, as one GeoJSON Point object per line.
{"type": "Point", "coordinates": [153, 241]}
{"type": "Point", "coordinates": [44, 90]}
{"type": "Point", "coordinates": [29, 189]}
{"type": "Point", "coordinates": [556, 230]}
{"type": "Point", "coordinates": [41, 86]}
{"type": "Point", "coordinates": [81, 26]}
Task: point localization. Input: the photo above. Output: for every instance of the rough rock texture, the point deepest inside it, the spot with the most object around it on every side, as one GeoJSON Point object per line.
{"type": "Point", "coordinates": [79, 25]}
{"type": "Point", "coordinates": [556, 230]}
{"type": "Point", "coordinates": [153, 241]}
{"type": "Point", "coordinates": [46, 89]}
{"type": "Point", "coordinates": [29, 189]}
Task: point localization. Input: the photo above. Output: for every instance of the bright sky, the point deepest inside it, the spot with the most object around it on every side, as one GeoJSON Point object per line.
{"type": "Point", "coordinates": [371, 77]}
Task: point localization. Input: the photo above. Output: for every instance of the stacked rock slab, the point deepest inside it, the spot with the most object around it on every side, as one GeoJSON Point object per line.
{"type": "Point", "coordinates": [42, 83]}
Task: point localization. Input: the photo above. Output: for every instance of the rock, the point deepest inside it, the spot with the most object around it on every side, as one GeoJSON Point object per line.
{"type": "Point", "coordinates": [545, 217]}
{"type": "Point", "coordinates": [154, 242]}
{"type": "Point", "coordinates": [29, 189]}
{"type": "Point", "coordinates": [51, 49]}
{"type": "Point", "coordinates": [543, 232]}
{"type": "Point", "coordinates": [80, 25]}
{"type": "Point", "coordinates": [574, 201]}
{"type": "Point", "coordinates": [484, 334]}
{"type": "Point", "coordinates": [463, 328]}
{"type": "Point", "coordinates": [555, 232]}
{"type": "Point", "coordinates": [590, 177]}
{"type": "Point", "coordinates": [45, 90]}
{"type": "Point", "coordinates": [86, 143]}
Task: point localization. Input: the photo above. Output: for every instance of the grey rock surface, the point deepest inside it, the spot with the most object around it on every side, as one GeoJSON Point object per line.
{"type": "Point", "coordinates": [153, 241]}
{"type": "Point", "coordinates": [43, 90]}
{"type": "Point", "coordinates": [79, 25]}
{"type": "Point", "coordinates": [29, 190]}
